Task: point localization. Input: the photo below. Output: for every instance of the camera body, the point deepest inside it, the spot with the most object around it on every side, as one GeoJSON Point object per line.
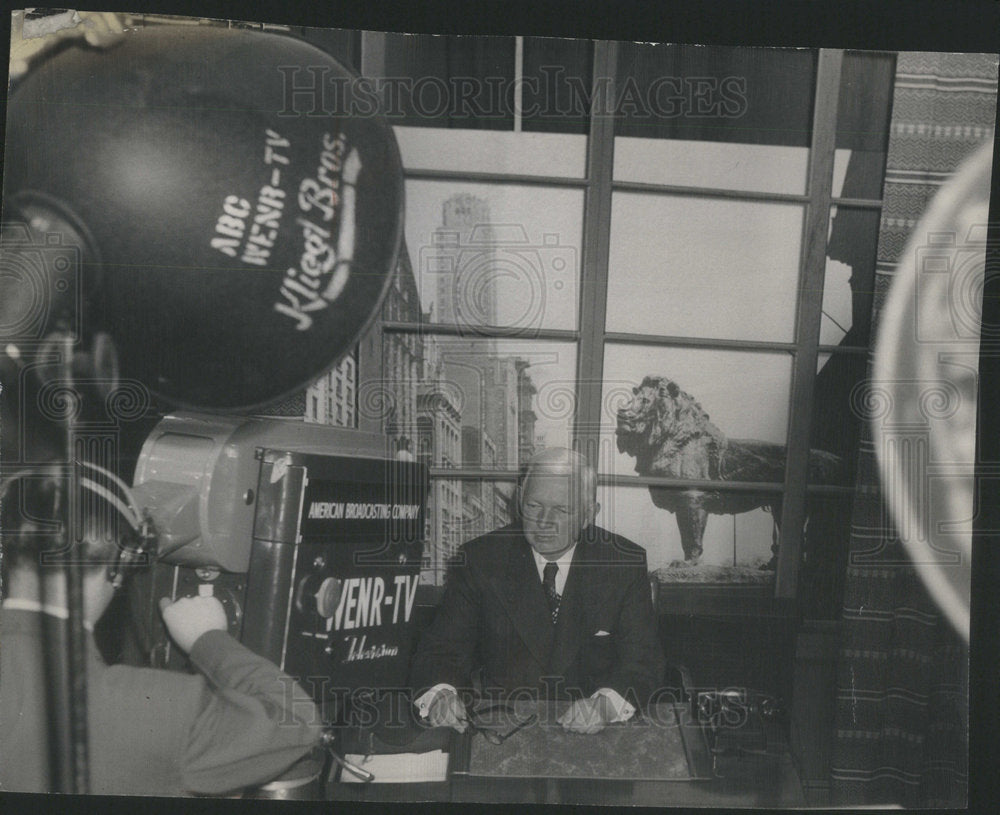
{"type": "Point", "coordinates": [309, 536]}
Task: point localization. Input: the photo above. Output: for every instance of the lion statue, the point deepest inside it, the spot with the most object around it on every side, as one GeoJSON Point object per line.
{"type": "Point", "coordinates": [671, 436]}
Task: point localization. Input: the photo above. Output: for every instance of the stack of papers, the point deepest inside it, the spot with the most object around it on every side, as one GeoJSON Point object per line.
{"type": "Point", "coordinates": [400, 768]}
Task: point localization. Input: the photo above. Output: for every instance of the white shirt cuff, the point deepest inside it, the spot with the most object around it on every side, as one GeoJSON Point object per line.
{"type": "Point", "coordinates": [623, 710]}
{"type": "Point", "coordinates": [425, 700]}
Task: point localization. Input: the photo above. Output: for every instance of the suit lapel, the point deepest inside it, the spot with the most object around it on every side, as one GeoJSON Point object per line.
{"type": "Point", "coordinates": [523, 598]}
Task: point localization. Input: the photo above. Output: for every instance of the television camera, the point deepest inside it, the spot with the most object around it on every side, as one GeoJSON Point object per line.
{"type": "Point", "coordinates": [181, 249]}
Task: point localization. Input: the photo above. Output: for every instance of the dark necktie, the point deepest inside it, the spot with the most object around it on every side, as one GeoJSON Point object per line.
{"type": "Point", "coordinates": [549, 584]}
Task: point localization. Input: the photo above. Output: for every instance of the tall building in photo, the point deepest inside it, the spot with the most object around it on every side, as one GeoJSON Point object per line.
{"type": "Point", "coordinates": [498, 397]}
{"type": "Point", "coordinates": [332, 399]}
{"type": "Point", "coordinates": [490, 388]}
{"type": "Point", "coordinates": [526, 416]}
{"type": "Point", "coordinates": [463, 263]}
{"type": "Point", "coordinates": [439, 444]}
{"type": "Point", "coordinates": [500, 406]}
{"type": "Point", "coordinates": [496, 392]}
{"type": "Point", "coordinates": [454, 401]}
{"type": "Point", "coordinates": [394, 393]}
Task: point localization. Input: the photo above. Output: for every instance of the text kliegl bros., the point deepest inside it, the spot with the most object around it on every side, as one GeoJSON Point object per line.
{"type": "Point", "coordinates": [323, 270]}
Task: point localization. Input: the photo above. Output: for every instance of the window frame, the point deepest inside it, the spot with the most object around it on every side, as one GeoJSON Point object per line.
{"type": "Point", "coordinates": [591, 336]}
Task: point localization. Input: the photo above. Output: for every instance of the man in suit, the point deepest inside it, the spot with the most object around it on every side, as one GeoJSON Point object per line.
{"type": "Point", "coordinates": [551, 603]}
{"type": "Point", "coordinates": [238, 722]}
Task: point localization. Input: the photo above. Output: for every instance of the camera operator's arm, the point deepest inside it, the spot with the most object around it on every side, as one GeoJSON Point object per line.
{"type": "Point", "coordinates": [252, 721]}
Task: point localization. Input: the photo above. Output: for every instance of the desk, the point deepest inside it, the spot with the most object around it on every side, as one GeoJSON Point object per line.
{"type": "Point", "coordinates": [661, 760]}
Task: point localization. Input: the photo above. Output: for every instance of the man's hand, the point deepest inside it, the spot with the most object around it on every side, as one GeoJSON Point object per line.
{"type": "Point", "coordinates": [190, 617]}
{"type": "Point", "coordinates": [447, 710]}
{"type": "Point", "coordinates": [587, 715]}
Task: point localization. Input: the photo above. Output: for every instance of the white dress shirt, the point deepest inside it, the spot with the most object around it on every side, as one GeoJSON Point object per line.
{"type": "Point", "coordinates": [563, 562]}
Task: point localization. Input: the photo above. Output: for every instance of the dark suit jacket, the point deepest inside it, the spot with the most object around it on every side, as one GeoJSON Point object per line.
{"type": "Point", "coordinates": [153, 732]}
{"type": "Point", "coordinates": [494, 618]}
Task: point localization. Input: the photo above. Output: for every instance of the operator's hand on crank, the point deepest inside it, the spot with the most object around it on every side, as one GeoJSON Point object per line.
{"type": "Point", "coordinates": [190, 617]}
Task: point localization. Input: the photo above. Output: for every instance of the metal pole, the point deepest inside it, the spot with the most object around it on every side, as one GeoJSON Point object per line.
{"type": "Point", "coordinates": [76, 664]}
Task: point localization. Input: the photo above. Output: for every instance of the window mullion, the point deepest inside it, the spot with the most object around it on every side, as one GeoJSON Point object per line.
{"type": "Point", "coordinates": [596, 243]}
{"type": "Point", "coordinates": [373, 54]}
{"type": "Point", "coordinates": [372, 365]}
{"type": "Point", "coordinates": [808, 314]}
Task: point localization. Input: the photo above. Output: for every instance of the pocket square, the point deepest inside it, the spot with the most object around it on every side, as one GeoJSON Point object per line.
{"type": "Point", "coordinates": [603, 633]}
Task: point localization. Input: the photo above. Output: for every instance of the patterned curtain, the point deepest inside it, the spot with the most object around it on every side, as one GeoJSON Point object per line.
{"type": "Point", "coordinates": [901, 733]}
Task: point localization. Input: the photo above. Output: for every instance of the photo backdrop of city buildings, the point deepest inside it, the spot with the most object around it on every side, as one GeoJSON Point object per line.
{"type": "Point", "coordinates": [447, 401]}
